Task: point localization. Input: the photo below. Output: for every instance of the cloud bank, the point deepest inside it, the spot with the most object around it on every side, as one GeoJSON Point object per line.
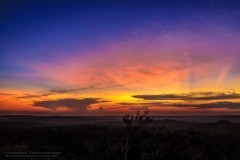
{"type": "Point", "coordinates": [191, 100]}
{"type": "Point", "coordinates": [193, 96]}
{"type": "Point", "coordinates": [79, 105]}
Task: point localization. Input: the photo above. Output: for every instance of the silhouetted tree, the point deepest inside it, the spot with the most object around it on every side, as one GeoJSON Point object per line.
{"type": "Point", "coordinates": [139, 120]}
{"type": "Point", "coordinates": [136, 142]}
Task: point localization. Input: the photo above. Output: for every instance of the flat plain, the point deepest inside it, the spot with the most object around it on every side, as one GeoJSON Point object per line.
{"type": "Point", "coordinates": [176, 137]}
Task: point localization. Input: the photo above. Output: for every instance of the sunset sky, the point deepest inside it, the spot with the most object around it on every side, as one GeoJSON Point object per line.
{"type": "Point", "coordinates": [92, 57]}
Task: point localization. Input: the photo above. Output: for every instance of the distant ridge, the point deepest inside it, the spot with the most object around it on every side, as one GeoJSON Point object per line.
{"type": "Point", "coordinates": [16, 115]}
{"type": "Point", "coordinates": [224, 121]}
{"type": "Point", "coordinates": [171, 120]}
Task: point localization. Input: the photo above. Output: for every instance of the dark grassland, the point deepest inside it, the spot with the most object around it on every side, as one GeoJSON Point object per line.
{"type": "Point", "coordinates": [160, 139]}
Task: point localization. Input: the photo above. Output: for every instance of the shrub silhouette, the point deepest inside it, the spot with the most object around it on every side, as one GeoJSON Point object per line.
{"type": "Point", "coordinates": [139, 120]}
{"type": "Point", "coordinates": [136, 141]}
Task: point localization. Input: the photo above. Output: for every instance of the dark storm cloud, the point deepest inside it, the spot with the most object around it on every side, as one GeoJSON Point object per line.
{"type": "Point", "coordinates": [191, 96]}
{"type": "Point", "coordinates": [101, 109]}
{"type": "Point", "coordinates": [74, 104]}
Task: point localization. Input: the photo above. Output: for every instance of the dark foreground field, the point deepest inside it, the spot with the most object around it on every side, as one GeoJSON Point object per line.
{"type": "Point", "coordinates": [109, 138]}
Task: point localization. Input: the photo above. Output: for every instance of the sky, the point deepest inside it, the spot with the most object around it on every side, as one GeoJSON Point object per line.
{"type": "Point", "coordinates": [110, 57]}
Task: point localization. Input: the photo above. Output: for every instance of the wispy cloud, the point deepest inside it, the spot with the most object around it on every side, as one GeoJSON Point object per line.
{"type": "Point", "coordinates": [40, 94]}
{"type": "Point", "coordinates": [30, 96]}
{"type": "Point", "coordinates": [69, 91]}
{"type": "Point", "coordinates": [66, 90]}
{"type": "Point", "coordinates": [6, 94]}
